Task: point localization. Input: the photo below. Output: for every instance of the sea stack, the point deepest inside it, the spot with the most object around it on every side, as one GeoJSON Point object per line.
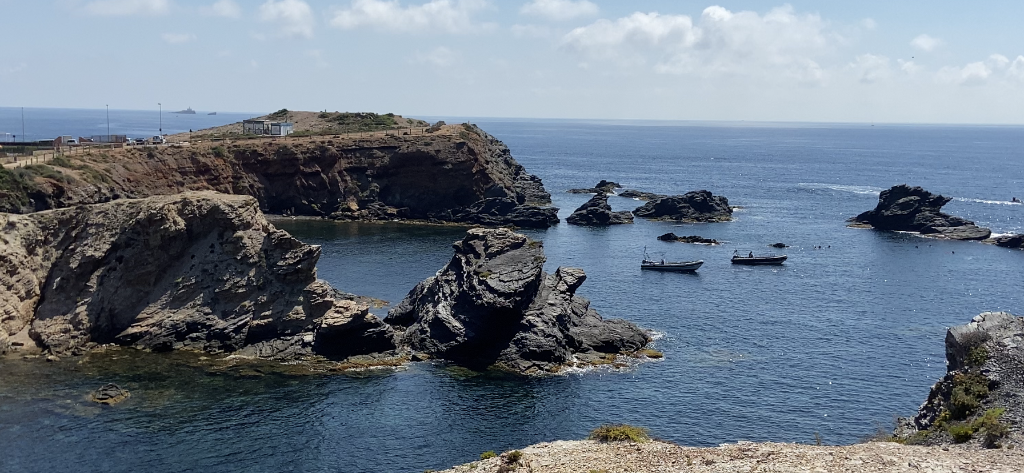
{"type": "Point", "coordinates": [913, 209]}
{"type": "Point", "coordinates": [493, 306]}
{"type": "Point", "coordinates": [696, 206]}
{"type": "Point", "coordinates": [596, 212]}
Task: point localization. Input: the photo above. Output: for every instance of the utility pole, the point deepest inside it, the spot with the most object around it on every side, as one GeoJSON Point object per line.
{"type": "Point", "coordinates": [22, 124]}
{"type": "Point", "coordinates": [108, 124]}
{"type": "Point", "coordinates": [161, 118]}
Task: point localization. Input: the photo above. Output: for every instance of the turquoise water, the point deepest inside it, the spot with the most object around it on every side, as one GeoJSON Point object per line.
{"type": "Point", "coordinates": [836, 342]}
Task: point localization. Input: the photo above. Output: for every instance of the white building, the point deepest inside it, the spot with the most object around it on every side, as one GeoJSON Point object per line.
{"type": "Point", "coordinates": [267, 127]}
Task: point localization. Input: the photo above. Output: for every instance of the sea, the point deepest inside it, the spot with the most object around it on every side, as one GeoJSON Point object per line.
{"type": "Point", "coordinates": [831, 346]}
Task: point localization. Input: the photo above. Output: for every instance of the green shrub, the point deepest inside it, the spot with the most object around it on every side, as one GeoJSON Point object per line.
{"type": "Point", "coordinates": [279, 115]}
{"type": "Point", "coordinates": [968, 390]}
{"type": "Point", "coordinates": [488, 454]}
{"type": "Point", "coordinates": [977, 356]}
{"type": "Point", "coordinates": [14, 189]}
{"type": "Point", "coordinates": [219, 151]}
{"type": "Point", "coordinates": [619, 433]}
{"type": "Point", "coordinates": [513, 457]}
{"type": "Point", "coordinates": [961, 432]}
{"type": "Point", "coordinates": [62, 162]}
{"type": "Point", "coordinates": [994, 429]}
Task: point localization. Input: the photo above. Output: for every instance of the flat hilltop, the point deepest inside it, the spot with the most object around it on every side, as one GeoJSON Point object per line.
{"type": "Point", "coordinates": [311, 124]}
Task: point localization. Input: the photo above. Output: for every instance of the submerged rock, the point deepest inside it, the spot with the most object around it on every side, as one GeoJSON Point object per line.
{"type": "Point", "coordinates": [978, 401]}
{"type": "Point", "coordinates": [493, 305]}
{"type": "Point", "coordinates": [696, 206]}
{"type": "Point", "coordinates": [603, 187]}
{"type": "Point", "coordinates": [1010, 241]}
{"type": "Point", "coordinates": [597, 212]}
{"type": "Point", "coordinates": [688, 239]}
{"type": "Point", "coordinates": [109, 394]}
{"type": "Point", "coordinates": [913, 209]}
{"type": "Point", "coordinates": [199, 270]}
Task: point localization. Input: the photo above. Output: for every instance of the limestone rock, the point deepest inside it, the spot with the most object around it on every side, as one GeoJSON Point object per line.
{"type": "Point", "coordinates": [913, 209]}
{"type": "Point", "coordinates": [597, 212]}
{"type": "Point", "coordinates": [200, 270]}
{"type": "Point", "coordinates": [493, 305]}
{"type": "Point", "coordinates": [696, 206]}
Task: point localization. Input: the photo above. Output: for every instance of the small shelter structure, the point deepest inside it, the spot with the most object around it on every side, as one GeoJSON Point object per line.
{"type": "Point", "coordinates": [267, 127]}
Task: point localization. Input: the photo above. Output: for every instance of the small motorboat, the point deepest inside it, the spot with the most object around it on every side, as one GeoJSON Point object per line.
{"type": "Point", "coordinates": [673, 266]}
{"type": "Point", "coordinates": [753, 259]}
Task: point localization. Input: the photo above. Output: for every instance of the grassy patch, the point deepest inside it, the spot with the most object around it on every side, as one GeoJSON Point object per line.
{"type": "Point", "coordinates": [346, 122]}
{"type": "Point", "coordinates": [14, 189]}
{"type": "Point", "coordinates": [968, 390]}
{"type": "Point", "coordinates": [488, 454]}
{"type": "Point", "coordinates": [988, 424]}
{"type": "Point", "coordinates": [219, 151]}
{"type": "Point", "coordinates": [619, 433]}
{"type": "Point", "coordinates": [279, 115]}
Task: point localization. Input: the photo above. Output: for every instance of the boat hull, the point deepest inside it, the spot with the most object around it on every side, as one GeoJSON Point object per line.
{"type": "Point", "coordinates": [759, 260]}
{"type": "Point", "coordinates": [685, 267]}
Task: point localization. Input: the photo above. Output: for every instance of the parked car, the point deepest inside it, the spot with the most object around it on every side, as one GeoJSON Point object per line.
{"type": "Point", "coordinates": [157, 140]}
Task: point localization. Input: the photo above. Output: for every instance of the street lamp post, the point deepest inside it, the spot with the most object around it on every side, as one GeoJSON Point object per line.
{"type": "Point", "coordinates": [108, 124]}
{"type": "Point", "coordinates": [161, 118]}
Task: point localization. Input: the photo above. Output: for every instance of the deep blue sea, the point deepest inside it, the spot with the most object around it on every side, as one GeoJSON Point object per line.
{"type": "Point", "coordinates": [49, 123]}
{"type": "Point", "coordinates": [836, 342]}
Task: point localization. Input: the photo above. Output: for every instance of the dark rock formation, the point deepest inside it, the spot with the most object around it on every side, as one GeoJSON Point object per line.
{"type": "Point", "coordinates": [913, 209]}
{"type": "Point", "coordinates": [109, 394]}
{"type": "Point", "coordinates": [493, 306]}
{"type": "Point", "coordinates": [696, 206]}
{"type": "Point", "coordinates": [597, 212]}
{"type": "Point", "coordinates": [1010, 241]}
{"type": "Point", "coordinates": [688, 239]}
{"type": "Point", "coordinates": [779, 245]}
{"type": "Point", "coordinates": [981, 398]}
{"type": "Point", "coordinates": [501, 211]}
{"type": "Point", "coordinates": [603, 187]}
{"type": "Point", "coordinates": [419, 177]}
{"type": "Point", "coordinates": [200, 271]}
{"type": "Point", "coordinates": [639, 195]}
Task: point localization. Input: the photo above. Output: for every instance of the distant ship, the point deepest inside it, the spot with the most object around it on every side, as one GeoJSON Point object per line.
{"type": "Point", "coordinates": [187, 111]}
{"type": "Point", "coordinates": [212, 113]}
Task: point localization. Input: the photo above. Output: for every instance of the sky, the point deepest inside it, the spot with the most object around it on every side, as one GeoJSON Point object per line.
{"type": "Point", "coordinates": [878, 61]}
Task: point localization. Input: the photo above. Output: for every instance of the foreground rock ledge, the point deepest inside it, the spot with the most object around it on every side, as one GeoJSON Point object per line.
{"type": "Point", "coordinates": [201, 271]}
{"type": "Point", "coordinates": [493, 306]}
{"type": "Point", "coordinates": [651, 457]}
{"type": "Point", "coordinates": [913, 209]}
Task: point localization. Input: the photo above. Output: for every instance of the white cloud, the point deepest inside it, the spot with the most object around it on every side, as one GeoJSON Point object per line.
{"type": "Point", "coordinates": [177, 38]}
{"type": "Point", "coordinates": [223, 8]}
{"type": "Point", "coordinates": [926, 43]}
{"type": "Point", "coordinates": [437, 57]}
{"type": "Point", "coordinates": [722, 42]}
{"type": "Point", "coordinates": [559, 10]}
{"type": "Point", "coordinates": [532, 31]}
{"type": "Point", "coordinates": [910, 67]}
{"type": "Point", "coordinates": [1016, 69]}
{"type": "Point", "coordinates": [294, 17]}
{"type": "Point", "coordinates": [318, 58]}
{"type": "Point", "coordinates": [128, 7]}
{"type": "Point", "coordinates": [869, 23]}
{"type": "Point", "coordinates": [997, 61]}
{"type": "Point", "coordinates": [975, 73]}
{"type": "Point", "coordinates": [450, 16]}
{"type": "Point", "coordinates": [871, 68]}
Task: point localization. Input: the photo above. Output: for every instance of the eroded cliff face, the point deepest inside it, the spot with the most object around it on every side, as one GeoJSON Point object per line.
{"type": "Point", "coordinates": [494, 306]}
{"type": "Point", "coordinates": [441, 176]}
{"type": "Point", "coordinates": [198, 270]}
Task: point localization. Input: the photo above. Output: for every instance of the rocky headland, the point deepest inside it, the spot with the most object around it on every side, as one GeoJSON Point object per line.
{"type": "Point", "coordinates": [596, 212]}
{"type": "Point", "coordinates": [494, 306]}
{"type": "Point", "coordinates": [913, 209]}
{"type": "Point", "coordinates": [978, 402]}
{"type": "Point", "coordinates": [200, 271]}
{"type": "Point", "coordinates": [695, 206]}
{"type": "Point", "coordinates": [457, 173]}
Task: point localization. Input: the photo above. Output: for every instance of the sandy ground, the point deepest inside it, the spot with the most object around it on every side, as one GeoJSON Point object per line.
{"type": "Point", "coordinates": [588, 456]}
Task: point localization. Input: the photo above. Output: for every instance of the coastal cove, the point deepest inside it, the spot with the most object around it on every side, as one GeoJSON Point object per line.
{"type": "Point", "coordinates": [837, 341]}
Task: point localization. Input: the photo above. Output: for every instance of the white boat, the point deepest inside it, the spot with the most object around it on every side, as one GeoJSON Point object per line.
{"type": "Point", "coordinates": [672, 266]}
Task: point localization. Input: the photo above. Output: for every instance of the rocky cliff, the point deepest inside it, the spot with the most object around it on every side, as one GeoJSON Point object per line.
{"type": "Point", "coordinates": [446, 176]}
{"type": "Point", "coordinates": [979, 401]}
{"type": "Point", "coordinates": [493, 305]}
{"type": "Point", "coordinates": [913, 209]}
{"type": "Point", "coordinates": [199, 270]}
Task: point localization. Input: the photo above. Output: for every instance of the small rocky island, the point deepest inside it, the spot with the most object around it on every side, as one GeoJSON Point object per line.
{"type": "Point", "coordinates": [493, 305]}
{"type": "Point", "coordinates": [913, 209]}
{"type": "Point", "coordinates": [693, 207]}
{"type": "Point", "coordinates": [602, 187]}
{"type": "Point", "coordinates": [597, 212]}
{"type": "Point", "coordinates": [696, 239]}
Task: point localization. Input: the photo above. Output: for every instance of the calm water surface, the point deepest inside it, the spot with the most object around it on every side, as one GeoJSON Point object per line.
{"type": "Point", "coordinates": [837, 341]}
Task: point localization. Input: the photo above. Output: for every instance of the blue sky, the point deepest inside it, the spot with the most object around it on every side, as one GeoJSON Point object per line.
{"type": "Point", "coordinates": [866, 61]}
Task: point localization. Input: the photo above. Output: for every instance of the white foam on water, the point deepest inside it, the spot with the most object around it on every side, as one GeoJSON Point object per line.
{"type": "Point", "coordinates": [862, 190]}
{"type": "Point", "coordinates": [983, 201]}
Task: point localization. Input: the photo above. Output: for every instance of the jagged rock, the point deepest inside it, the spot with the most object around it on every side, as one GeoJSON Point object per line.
{"type": "Point", "coordinates": [985, 363]}
{"type": "Point", "coordinates": [639, 195]}
{"type": "Point", "coordinates": [499, 211]}
{"type": "Point", "coordinates": [597, 212]}
{"type": "Point", "coordinates": [779, 245]}
{"type": "Point", "coordinates": [109, 394]}
{"type": "Point", "coordinates": [696, 206]}
{"type": "Point", "coordinates": [913, 209]}
{"type": "Point", "coordinates": [688, 239]}
{"type": "Point", "coordinates": [603, 187]}
{"type": "Point", "coordinates": [493, 305]}
{"type": "Point", "coordinates": [1010, 241]}
{"type": "Point", "coordinates": [198, 270]}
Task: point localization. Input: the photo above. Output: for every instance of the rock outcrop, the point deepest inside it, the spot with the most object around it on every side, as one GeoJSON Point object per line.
{"type": "Point", "coordinates": [913, 209]}
{"type": "Point", "coordinates": [980, 400]}
{"type": "Point", "coordinates": [688, 239]}
{"type": "Point", "coordinates": [500, 211]}
{"type": "Point", "coordinates": [493, 305]}
{"type": "Point", "coordinates": [415, 177]}
{"type": "Point", "coordinates": [603, 187]}
{"type": "Point", "coordinates": [1010, 241]}
{"type": "Point", "coordinates": [597, 212]}
{"type": "Point", "coordinates": [109, 394]}
{"type": "Point", "coordinates": [639, 195]}
{"type": "Point", "coordinates": [200, 270]}
{"type": "Point", "coordinates": [696, 206]}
